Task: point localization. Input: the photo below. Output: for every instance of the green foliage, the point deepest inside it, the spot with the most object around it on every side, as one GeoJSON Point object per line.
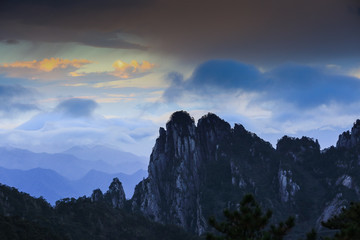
{"type": "Point", "coordinates": [14, 228]}
{"type": "Point", "coordinates": [347, 223]}
{"type": "Point", "coordinates": [249, 223]}
{"type": "Point", "coordinates": [80, 219]}
{"type": "Point", "coordinates": [311, 235]}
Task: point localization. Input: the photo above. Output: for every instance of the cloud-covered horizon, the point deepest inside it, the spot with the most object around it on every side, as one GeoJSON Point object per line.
{"type": "Point", "coordinates": [284, 67]}
{"type": "Point", "coordinates": [74, 122]}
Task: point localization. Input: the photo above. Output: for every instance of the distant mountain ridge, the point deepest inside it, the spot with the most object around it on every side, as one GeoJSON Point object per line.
{"type": "Point", "coordinates": [69, 165]}
{"type": "Point", "coordinates": [52, 186]}
{"type": "Point", "coordinates": [127, 162]}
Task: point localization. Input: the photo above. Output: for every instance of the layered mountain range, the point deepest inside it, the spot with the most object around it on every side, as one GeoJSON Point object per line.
{"type": "Point", "coordinates": [73, 173]}
{"type": "Point", "coordinates": [197, 170]}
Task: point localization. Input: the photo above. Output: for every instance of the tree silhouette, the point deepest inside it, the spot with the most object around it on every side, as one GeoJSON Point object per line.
{"type": "Point", "coordinates": [249, 223]}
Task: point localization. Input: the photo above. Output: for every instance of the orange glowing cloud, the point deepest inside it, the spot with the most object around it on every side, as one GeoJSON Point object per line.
{"type": "Point", "coordinates": [131, 70]}
{"type": "Point", "coordinates": [48, 65]}
{"type": "Point", "coordinates": [46, 69]}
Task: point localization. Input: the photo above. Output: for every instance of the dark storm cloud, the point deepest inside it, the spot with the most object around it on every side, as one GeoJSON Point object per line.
{"type": "Point", "coordinates": [248, 30]}
{"type": "Point", "coordinates": [92, 22]}
{"type": "Point", "coordinates": [11, 41]}
{"type": "Point", "coordinates": [63, 12]}
{"type": "Point", "coordinates": [95, 38]}
{"type": "Point", "coordinates": [302, 86]}
{"type": "Point", "coordinates": [77, 107]}
{"type": "Point", "coordinates": [15, 99]}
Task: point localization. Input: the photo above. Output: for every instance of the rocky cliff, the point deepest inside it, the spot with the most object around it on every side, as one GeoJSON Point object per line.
{"type": "Point", "coordinates": [195, 171]}
{"type": "Point", "coordinates": [171, 193]}
{"type": "Point", "coordinates": [115, 196]}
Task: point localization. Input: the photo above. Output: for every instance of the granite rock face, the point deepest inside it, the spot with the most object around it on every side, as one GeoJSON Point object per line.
{"type": "Point", "coordinates": [115, 196]}
{"type": "Point", "coordinates": [171, 193]}
{"type": "Point", "coordinates": [350, 139]}
{"type": "Point", "coordinates": [192, 167]}
{"type": "Point", "coordinates": [197, 170]}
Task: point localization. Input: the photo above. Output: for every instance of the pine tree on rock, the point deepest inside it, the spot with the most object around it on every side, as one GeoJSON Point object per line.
{"type": "Point", "coordinates": [347, 222]}
{"type": "Point", "coordinates": [249, 223]}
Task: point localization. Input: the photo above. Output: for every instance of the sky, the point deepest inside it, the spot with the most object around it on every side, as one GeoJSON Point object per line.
{"type": "Point", "coordinates": [111, 72]}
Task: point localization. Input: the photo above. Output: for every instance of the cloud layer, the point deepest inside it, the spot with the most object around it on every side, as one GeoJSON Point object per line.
{"type": "Point", "coordinates": [131, 70]}
{"type": "Point", "coordinates": [66, 69]}
{"type": "Point", "coordinates": [77, 107]}
{"type": "Point", "coordinates": [302, 86]}
{"type": "Point", "coordinates": [16, 99]}
{"type": "Point", "coordinates": [74, 122]}
{"type": "Point", "coordinates": [46, 69]}
{"type": "Point", "coordinates": [300, 30]}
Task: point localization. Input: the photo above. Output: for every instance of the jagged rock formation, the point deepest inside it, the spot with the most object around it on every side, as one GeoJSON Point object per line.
{"type": "Point", "coordinates": [193, 168]}
{"type": "Point", "coordinates": [197, 170]}
{"type": "Point", "coordinates": [114, 196]}
{"type": "Point", "coordinates": [172, 191]}
{"type": "Point", "coordinates": [350, 139]}
{"type": "Point", "coordinates": [97, 195]}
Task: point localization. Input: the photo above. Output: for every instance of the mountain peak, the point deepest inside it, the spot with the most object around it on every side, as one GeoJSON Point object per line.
{"type": "Point", "coordinates": [97, 195]}
{"type": "Point", "coordinates": [350, 139]}
{"type": "Point", "coordinates": [287, 143]}
{"type": "Point", "coordinates": [115, 185]}
{"type": "Point", "coordinates": [212, 119]}
{"type": "Point", "coordinates": [116, 194]}
{"type": "Point", "coordinates": [181, 117]}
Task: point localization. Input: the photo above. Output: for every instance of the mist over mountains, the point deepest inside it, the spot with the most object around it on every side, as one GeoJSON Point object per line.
{"type": "Point", "coordinates": [75, 162]}
{"type": "Point", "coordinates": [73, 173]}
{"type": "Point", "coordinates": [197, 170]}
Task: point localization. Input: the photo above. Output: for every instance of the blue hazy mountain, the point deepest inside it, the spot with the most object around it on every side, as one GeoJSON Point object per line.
{"type": "Point", "coordinates": [125, 161]}
{"type": "Point", "coordinates": [70, 166]}
{"type": "Point", "coordinates": [96, 179]}
{"type": "Point", "coordinates": [52, 186]}
{"type": "Point", "coordinates": [38, 182]}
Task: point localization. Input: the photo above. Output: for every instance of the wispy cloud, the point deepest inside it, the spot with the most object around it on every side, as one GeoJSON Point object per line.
{"type": "Point", "coordinates": [133, 69]}
{"type": "Point", "coordinates": [355, 72]}
{"type": "Point", "coordinates": [74, 84]}
{"type": "Point", "coordinates": [47, 64]}
{"type": "Point", "coordinates": [75, 122]}
{"type": "Point", "coordinates": [45, 69]}
{"type": "Point", "coordinates": [16, 99]}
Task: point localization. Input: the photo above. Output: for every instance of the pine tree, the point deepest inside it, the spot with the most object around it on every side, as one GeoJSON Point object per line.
{"type": "Point", "coordinates": [347, 223]}
{"type": "Point", "coordinates": [249, 223]}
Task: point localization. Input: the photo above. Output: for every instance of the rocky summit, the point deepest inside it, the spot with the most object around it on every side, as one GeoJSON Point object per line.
{"type": "Point", "coordinates": [197, 170]}
{"type": "Point", "coordinates": [115, 195]}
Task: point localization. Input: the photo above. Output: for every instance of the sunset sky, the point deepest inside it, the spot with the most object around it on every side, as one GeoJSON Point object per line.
{"type": "Point", "coordinates": [111, 72]}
